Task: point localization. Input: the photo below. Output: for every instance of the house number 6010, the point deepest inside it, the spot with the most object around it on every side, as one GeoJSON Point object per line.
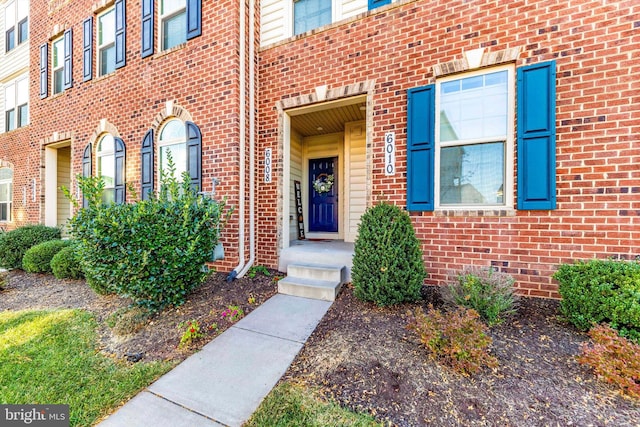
{"type": "Point", "coordinates": [389, 153]}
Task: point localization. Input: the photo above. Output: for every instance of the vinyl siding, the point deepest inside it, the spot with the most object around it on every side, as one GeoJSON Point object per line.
{"type": "Point", "coordinates": [64, 179]}
{"type": "Point", "coordinates": [296, 175]}
{"type": "Point", "coordinates": [356, 174]}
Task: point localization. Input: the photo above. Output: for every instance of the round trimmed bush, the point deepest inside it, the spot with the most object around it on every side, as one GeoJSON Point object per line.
{"type": "Point", "coordinates": [66, 265]}
{"type": "Point", "coordinates": [14, 244]}
{"type": "Point", "coordinates": [387, 264]}
{"type": "Point", "coordinates": [38, 258]}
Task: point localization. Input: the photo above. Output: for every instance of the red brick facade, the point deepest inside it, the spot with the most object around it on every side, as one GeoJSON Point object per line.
{"type": "Point", "coordinates": [597, 48]}
{"type": "Point", "coordinates": [379, 54]}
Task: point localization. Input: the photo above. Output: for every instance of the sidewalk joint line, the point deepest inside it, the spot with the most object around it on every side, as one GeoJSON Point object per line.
{"type": "Point", "coordinates": [188, 409]}
{"type": "Point", "coordinates": [269, 335]}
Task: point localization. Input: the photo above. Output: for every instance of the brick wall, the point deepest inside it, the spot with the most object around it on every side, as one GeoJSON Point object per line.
{"type": "Point", "coordinates": [597, 48]}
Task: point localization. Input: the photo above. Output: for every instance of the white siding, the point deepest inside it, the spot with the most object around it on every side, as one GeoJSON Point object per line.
{"type": "Point", "coordinates": [276, 17]}
{"type": "Point", "coordinates": [296, 175]}
{"type": "Point", "coordinates": [356, 200]}
{"type": "Point", "coordinates": [64, 179]}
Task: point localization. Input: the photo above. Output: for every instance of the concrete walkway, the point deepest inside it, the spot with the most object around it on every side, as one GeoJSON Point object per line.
{"type": "Point", "coordinates": [224, 383]}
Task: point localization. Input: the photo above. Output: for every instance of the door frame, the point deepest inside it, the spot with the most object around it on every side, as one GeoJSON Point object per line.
{"type": "Point", "coordinates": [50, 184]}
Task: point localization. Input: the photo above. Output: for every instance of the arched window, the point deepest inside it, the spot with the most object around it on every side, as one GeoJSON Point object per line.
{"type": "Point", "coordinates": [6, 193]}
{"type": "Point", "coordinates": [173, 142]}
{"type": "Point", "coordinates": [110, 154]}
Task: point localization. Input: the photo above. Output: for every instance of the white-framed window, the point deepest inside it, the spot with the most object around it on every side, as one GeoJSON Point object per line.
{"type": "Point", "coordinates": [310, 14]}
{"type": "Point", "coordinates": [16, 23]}
{"type": "Point", "coordinates": [16, 104]}
{"type": "Point", "coordinates": [106, 42]}
{"type": "Point", "coordinates": [173, 141]}
{"type": "Point", "coordinates": [57, 65]}
{"type": "Point", "coordinates": [173, 23]}
{"type": "Point", "coordinates": [6, 194]}
{"type": "Point", "coordinates": [106, 156]}
{"type": "Point", "coordinates": [474, 139]}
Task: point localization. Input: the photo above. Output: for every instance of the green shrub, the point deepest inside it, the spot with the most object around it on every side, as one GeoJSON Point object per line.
{"type": "Point", "coordinates": [152, 251]}
{"type": "Point", "coordinates": [488, 292]}
{"type": "Point", "coordinates": [38, 258]}
{"type": "Point", "coordinates": [457, 338]}
{"type": "Point", "coordinates": [387, 264]}
{"type": "Point", "coordinates": [601, 291]}
{"type": "Point", "coordinates": [613, 358]}
{"type": "Point", "coordinates": [14, 244]}
{"type": "Point", "coordinates": [66, 264]}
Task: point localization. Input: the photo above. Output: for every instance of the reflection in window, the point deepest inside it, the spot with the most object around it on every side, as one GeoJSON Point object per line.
{"type": "Point", "coordinates": [107, 167]}
{"type": "Point", "coordinates": [310, 14]}
{"type": "Point", "coordinates": [173, 141]}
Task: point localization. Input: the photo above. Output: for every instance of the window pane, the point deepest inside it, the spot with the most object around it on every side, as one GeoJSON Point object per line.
{"type": "Point", "coordinates": [107, 170]}
{"type": "Point", "coordinates": [11, 39]}
{"type": "Point", "coordinates": [107, 144]}
{"type": "Point", "coordinates": [108, 196]}
{"type": "Point", "coordinates": [170, 6]}
{"type": "Point", "coordinates": [23, 115]}
{"type": "Point", "coordinates": [58, 53]}
{"type": "Point", "coordinates": [5, 192]}
{"type": "Point", "coordinates": [10, 15]}
{"type": "Point", "coordinates": [472, 174]}
{"type": "Point", "coordinates": [107, 28]}
{"type": "Point", "coordinates": [474, 107]}
{"type": "Point", "coordinates": [23, 31]}
{"type": "Point", "coordinates": [23, 9]}
{"type": "Point", "coordinates": [310, 14]}
{"type": "Point", "coordinates": [179, 156]}
{"type": "Point", "coordinates": [23, 91]}
{"type": "Point", "coordinates": [58, 81]}
{"type": "Point", "coordinates": [174, 31]}
{"type": "Point", "coordinates": [173, 131]}
{"type": "Point", "coordinates": [10, 97]}
{"type": "Point", "coordinates": [6, 174]}
{"type": "Point", "coordinates": [4, 211]}
{"type": "Point", "coordinates": [107, 60]}
{"type": "Point", "coordinates": [10, 120]}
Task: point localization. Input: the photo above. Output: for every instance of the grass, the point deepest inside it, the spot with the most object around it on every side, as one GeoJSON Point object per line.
{"type": "Point", "coordinates": [50, 357]}
{"type": "Point", "coordinates": [290, 405]}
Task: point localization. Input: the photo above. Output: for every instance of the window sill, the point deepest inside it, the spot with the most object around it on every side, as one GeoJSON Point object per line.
{"type": "Point", "coordinates": [480, 212]}
{"type": "Point", "coordinates": [171, 50]}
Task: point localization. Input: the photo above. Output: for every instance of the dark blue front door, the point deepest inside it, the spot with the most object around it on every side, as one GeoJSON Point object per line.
{"type": "Point", "coordinates": [323, 195]}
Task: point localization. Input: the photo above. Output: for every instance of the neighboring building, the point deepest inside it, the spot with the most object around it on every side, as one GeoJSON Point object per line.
{"type": "Point", "coordinates": [509, 130]}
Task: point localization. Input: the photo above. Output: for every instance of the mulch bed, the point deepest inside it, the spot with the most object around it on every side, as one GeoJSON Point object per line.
{"type": "Point", "coordinates": [364, 357]}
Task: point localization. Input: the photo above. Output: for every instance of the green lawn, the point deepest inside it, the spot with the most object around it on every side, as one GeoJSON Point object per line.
{"type": "Point", "coordinates": [290, 405]}
{"type": "Point", "coordinates": [50, 357]}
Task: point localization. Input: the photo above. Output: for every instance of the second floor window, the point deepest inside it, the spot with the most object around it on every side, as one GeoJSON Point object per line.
{"type": "Point", "coordinates": [173, 23]}
{"type": "Point", "coordinates": [107, 42]}
{"type": "Point", "coordinates": [310, 14]}
{"type": "Point", "coordinates": [58, 65]}
{"type": "Point", "coordinates": [16, 23]}
{"type": "Point", "coordinates": [17, 104]}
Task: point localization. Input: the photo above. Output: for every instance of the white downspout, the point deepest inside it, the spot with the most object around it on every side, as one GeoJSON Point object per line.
{"type": "Point", "coordinates": [241, 261]}
{"type": "Point", "coordinates": [252, 137]}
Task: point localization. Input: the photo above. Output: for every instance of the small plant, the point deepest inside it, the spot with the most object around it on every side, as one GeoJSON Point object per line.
{"type": "Point", "coordinates": [614, 359]}
{"type": "Point", "coordinates": [251, 300]}
{"type": "Point", "coordinates": [128, 320]}
{"type": "Point", "coordinates": [387, 264]}
{"type": "Point", "coordinates": [233, 313]}
{"type": "Point", "coordinates": [15, 243]}
{"type": "Point", "coordinates": [276, 279]}
{"type": "Point", "coordinates": [66, 265]}
{"type": "Point", "coordinates": [38, 258]}
{"type": "Point", "coordinates": [487, 291]}
{"type": "Point", "coordinates": [192, 332]}
{"type": "Point", "coordinates": [258, 269]}
{"type": "Point", "coordinates": [457, 338]}
{"type": "Point", "coordinates": [601, 291]}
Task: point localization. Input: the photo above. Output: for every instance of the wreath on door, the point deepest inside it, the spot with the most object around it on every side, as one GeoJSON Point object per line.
{"type": "Point", "coordinates": [323, 183]}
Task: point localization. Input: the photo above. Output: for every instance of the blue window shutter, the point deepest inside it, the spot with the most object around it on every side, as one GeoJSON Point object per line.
{"type": "Point", "coordinates": [86, 170]}
{"type": "Point", "coordinates": [537, 136]}
{"type": "Point", "coordinates": [147, 28]}
{"type": "Point", "coordinates": [420, 148]}
{"type": "Point", "coordinates": [194, 18]}
{"type": "Point", "coordinates": [377, 3]}
{"type": "Point", "coordinates": [146, 165]}
{"type": "Point", "coordinates": [87, 49]}
{"type": "Point", "coordinates": [120, 178]}
{"type": "Point", "coordinates": [194, 155]}
{"type": "Point", "coordinates": [121, 34]}
{"type": "Point", "coordinates": [44, 70]}
{"type": "Point", "coordinates": [68, 59]}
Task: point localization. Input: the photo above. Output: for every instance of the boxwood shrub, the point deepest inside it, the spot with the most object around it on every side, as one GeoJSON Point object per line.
{"type": "Point", "coordinates": [387, 263]}
{"type": "Point", "coordinates": [152, 251]}
{"type": "Point", "coordinates": [601, 291]}
{"type": "Point", "coordinates": [38, 258]}
{"type": "Point", "coordinates": [14, 244]}
{"type": "Point", "coordinates": [66, 264]}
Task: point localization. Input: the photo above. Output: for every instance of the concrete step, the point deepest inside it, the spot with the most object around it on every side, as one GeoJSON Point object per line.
{"type": "Point", "coordinates": [329, 273]}
{"type": "Point", "coordinates": [325, 290]}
